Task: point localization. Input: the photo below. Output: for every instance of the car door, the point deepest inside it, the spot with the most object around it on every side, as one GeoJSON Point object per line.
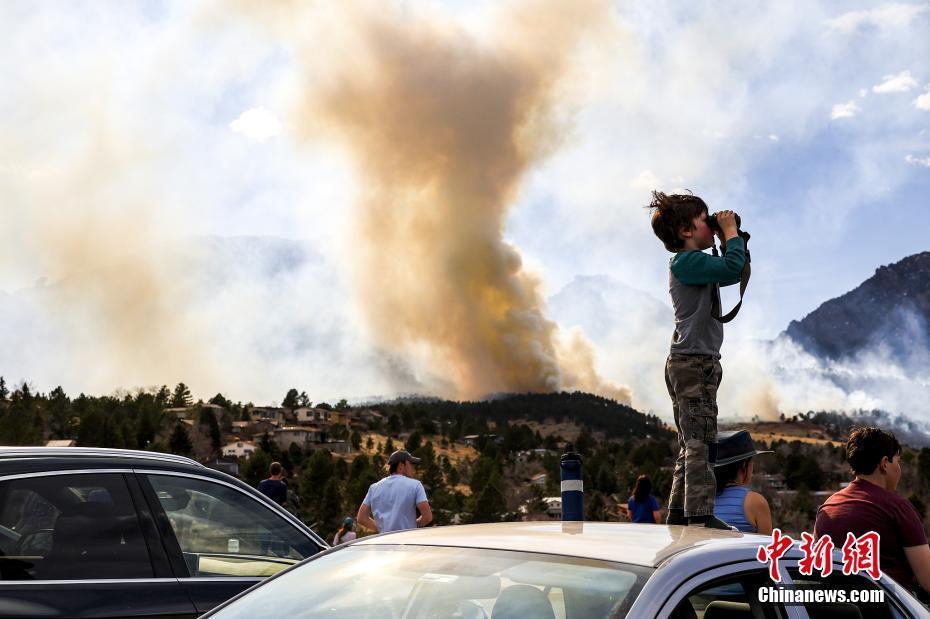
{"type": "Point", "coordinates": [222, 539]}
{"type": "Point", "coordinates": [855, 595]}
{"type": "Point", "coordinates": [730, 591]}
{"type": "Point", "coordinates": [83, 544]}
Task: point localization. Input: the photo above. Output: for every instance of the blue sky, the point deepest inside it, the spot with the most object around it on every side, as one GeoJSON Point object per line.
{"type": "Point", "coordinates": [134, 125]}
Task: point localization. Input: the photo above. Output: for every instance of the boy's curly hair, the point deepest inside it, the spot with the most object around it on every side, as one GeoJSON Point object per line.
{"type": "Point", "coordinates": [671, 213]}
{"type": "Point", "coordinates": [866, 447]}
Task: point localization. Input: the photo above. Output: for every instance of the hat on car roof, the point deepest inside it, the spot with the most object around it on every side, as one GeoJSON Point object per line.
{"type": "Point", "coordinates": [734, 446]}
{"type": "Point", "coordinates": [402, 456]}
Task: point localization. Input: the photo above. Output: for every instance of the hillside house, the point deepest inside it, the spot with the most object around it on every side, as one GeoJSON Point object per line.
{"type": "Point", "coordinates": [239, 449]}
{"type": "Point", "coordinates": [307, 414]}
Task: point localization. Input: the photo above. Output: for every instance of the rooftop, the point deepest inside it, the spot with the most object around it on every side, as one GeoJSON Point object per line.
{"type": "Point", "coordinates": [637, 544]}
{"type": "Point", "coordinates": [90, 452]}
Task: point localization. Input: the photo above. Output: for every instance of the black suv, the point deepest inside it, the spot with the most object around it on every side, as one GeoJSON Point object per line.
{"type": "Point", "coordinates": [90, 532]}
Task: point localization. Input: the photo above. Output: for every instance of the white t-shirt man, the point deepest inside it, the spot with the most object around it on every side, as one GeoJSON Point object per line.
{"type": "Point", "coordinates": [391, 503]}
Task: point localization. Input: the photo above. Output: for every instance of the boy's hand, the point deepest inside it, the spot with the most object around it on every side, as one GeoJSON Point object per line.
{"type": "Point", "coordinates": [727, 222]}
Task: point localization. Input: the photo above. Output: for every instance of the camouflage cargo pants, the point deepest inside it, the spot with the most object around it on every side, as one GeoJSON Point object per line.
{"type": "Point", "coordinates": [692, 382]}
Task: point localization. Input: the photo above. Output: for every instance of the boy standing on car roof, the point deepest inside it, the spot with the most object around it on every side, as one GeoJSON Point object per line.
{"type": "Point", "coordinates": [693, 371]}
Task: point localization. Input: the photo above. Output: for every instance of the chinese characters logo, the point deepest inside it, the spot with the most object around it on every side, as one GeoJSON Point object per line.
{"type": "Point", "coordinates": [860, 554]}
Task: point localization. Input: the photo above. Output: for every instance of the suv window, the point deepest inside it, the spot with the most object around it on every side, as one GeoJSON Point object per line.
{"type": "Point", "coordinates": [224, 532]}
{"type": "Point", "coordinates": [735, 597]}
{"type": "Point", "coordinates": [846, 596]}
{"type": "Point", "coordinates": [70, 527]}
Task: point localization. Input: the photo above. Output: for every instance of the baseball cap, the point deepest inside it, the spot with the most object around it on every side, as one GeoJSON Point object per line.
{"type": "Point", "coordinates": [402, 456]}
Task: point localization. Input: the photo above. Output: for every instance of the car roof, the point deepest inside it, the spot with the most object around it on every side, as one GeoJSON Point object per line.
{"type": "Point", "coordinates": [11, 453]}
{"type": "Point", "coordinates": [647, 545]}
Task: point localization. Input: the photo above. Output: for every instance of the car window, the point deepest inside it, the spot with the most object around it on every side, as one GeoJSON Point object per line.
{"type": "Point", "coordinates": [735, 597]}
{"type": "Point", "coordinates": [845, 596]}
{"type": "Point", "coordinates": [224, 532]}
{"type": "Point", "coordinates": [427, 582]}
{"type": "Point", "coordinates": [70, 527]}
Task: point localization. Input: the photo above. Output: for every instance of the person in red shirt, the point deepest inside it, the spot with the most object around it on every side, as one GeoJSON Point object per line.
{"type": "Point", "coordinates": [869, 503]}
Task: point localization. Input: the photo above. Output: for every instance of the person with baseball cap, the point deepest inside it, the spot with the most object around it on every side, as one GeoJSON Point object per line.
{"type": "Point", "coordinates": [392, 503]}
{"type": "Point", "coordinates": [736, 504]}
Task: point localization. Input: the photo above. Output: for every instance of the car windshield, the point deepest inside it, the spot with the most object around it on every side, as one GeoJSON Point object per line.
{"type": "Point", "coordinates": [419, 582]}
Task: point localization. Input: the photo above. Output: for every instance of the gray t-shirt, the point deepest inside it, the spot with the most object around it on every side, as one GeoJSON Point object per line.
{"type": "Point", "coordinates": [393, 502]}
{"type": "Point", "coordinates": [694, 280]}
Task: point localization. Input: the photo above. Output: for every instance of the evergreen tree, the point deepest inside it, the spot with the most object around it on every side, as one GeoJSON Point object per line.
{"type": "Point", "coordinates": [342, 405]}
{"type": "Point", "coordinates": [4, 392]}
{"type": "Point", "coordinates": [21, 422]}
{"type": "Point", "coordinates": [216, 437]}
{"type": "Point", "coordinates": [370, 443]}
{"type": "Point", "coordinates": [163, 397]}
{"type": "Point", "coordinates": [59, 410]}
{"type": "Point", "coordinates": [303, 399]}
{"type": "Point", "coordinates": [291, 399]}
{"type": "Point", "coordinates": [596, 509]}
{"type": "Point", "coordinates": [220, 400]}
{"type": "Point", "coordinates": [181, 396]}
{"type": "Point", "coordinates": [356, 439]}
{"type": "Point", "coordinates": [489, 504]}
{"type": "Point", "coordinates": [413, 442]}
{"type": "Point", "coordinates": [180, 441]}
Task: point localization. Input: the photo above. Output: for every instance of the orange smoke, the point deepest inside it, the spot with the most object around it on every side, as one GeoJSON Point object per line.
{"type": "Point", "coordinates": [442, 128]}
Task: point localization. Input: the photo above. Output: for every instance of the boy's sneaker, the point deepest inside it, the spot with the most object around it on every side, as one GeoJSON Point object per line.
{"type": "Point", "coordinates": [676, 516]}
{"type": "Point", "coordinates": [710, 522]}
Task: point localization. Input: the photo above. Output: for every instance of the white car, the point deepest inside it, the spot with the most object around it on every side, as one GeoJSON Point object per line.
{"type": "Point", "coordinates": [561, 570]}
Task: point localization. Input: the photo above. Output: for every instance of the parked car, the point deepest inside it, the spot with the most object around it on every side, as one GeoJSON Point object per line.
{"type": "Point", "coordinates": [115, 533]}
{"type": "Point", "coordinates": [546, 570]}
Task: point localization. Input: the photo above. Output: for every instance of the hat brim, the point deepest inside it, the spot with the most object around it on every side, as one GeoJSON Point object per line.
{"type": "Point", "coordinates": [741, 457]}
{"type": "Point", "coordinates": [414, 460]}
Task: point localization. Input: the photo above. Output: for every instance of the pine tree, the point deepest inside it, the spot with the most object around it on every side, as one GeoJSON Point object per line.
{"type": "Point", "coordinates": [4, 392]}
{"type": "Point", "coordinates": [181, 396]}
{"type": "Point", "coordinates": [59, 408]}
{"type": "Point", "coordinates": [180, 441]}
{"type": "Point", "coordinates": [291, 399]}
{"type": "Point", "coordinates": [163, 397]}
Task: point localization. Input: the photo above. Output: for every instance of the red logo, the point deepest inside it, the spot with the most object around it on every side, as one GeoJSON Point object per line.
{"type": "Point", "coordinates": [772, 552]}
{"type": "Point", "coordinates": [817, 554]}
{"type": "Point", "coordinates": [860, 554]}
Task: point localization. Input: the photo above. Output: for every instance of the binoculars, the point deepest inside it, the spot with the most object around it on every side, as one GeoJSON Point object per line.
{"type": "Point", "coordinates": [713, 225]}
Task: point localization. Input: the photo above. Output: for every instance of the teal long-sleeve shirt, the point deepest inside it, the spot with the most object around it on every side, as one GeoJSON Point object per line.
{"type": "Point", "coordinates": [697, 268]}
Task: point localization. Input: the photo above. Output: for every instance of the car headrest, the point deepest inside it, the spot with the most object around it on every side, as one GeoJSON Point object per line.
{"type": "Point", "coordinates": [720, 609]}
{"type": "Point", "coordinates": [843, 610]}
{"type": "Point", "coordinates": [519, 601]}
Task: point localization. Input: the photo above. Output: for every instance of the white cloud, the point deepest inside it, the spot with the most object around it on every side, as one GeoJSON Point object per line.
{"type": "Point", "coordinates": [885, 16]}
{"type": "Point", "coordinates": [773, 137]}
{"type": "Point", "coordinates": [646, 181]}
{"type": "Point", "coordinates": [845, 110]}
{"type": "Point", "coordinates": [257, 123]}
{"type": "Point", "coordinates": [923, 101]}
{"type": "Point", "coordinates": [902, 82]}
{"type": "Point", "coordinates": [863, 93]}
{"type": "Point", "coordinates": [922, 161]}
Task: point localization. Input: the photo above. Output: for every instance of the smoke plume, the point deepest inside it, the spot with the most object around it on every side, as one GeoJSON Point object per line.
{"type": "Point", "coordinates": [442, 128]}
